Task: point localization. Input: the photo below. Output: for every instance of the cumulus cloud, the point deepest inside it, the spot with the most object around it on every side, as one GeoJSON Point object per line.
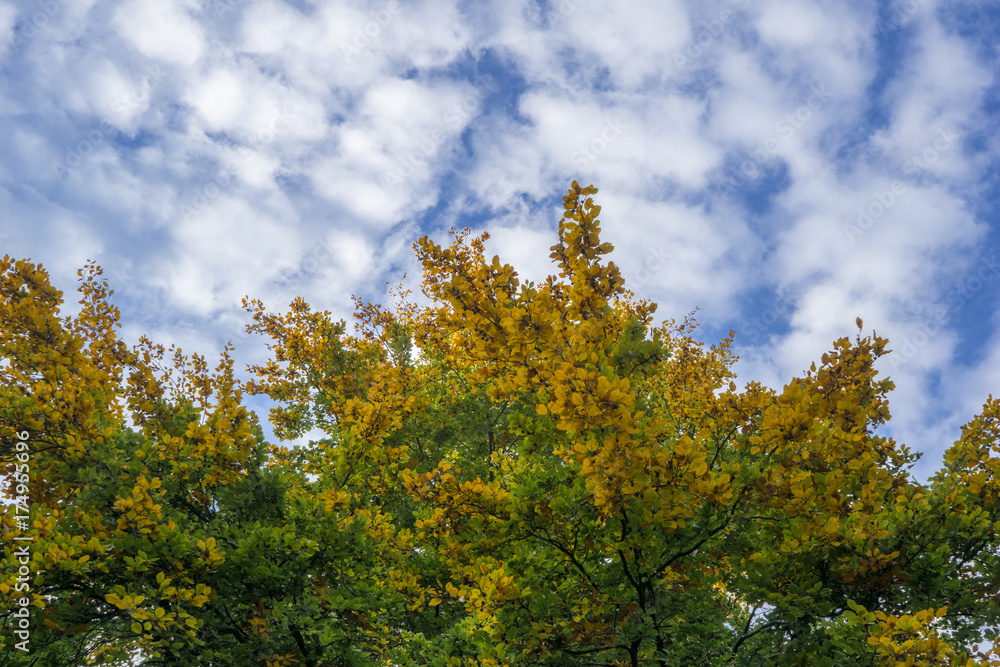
{"type": "Point", "coordinates": [785, 166]}
{"type": "Point", "coordinates": [161, 29]}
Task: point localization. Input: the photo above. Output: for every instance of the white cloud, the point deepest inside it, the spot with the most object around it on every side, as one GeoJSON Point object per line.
{"type": "Point", "coordinates": [344, 124]}
{"type": "Point", "coordinates": [634, 43]}
{"type": "Point", "coordinates": [523, 238]}
{"type": "Point", "coordinates": [934, 98]}
{"type": "Point", "coordinates": [269, 27]}
{"type": "Point", "coordinates": [161, 29]}
{"type": "Point", "coordinates": [222, 253]}
{"type": "Point", "coordinates": [353, 254]}
{"type": "Point", "coordinates": [220, 98]}
{"type": "Point", "coordinates": [387, 157]}
{"type": "Point", "coordinates": [72, 242]}
{"type": "Point", "coordinates": [790, 24]}
{"type": "Point", "coordinates": [619, 142]}
{"type": "Point", "coordinates": [830, 42]}
{"type": "Point", "coordinates": [676, 254]}
{"type": "Point", "coordinates": [427, 34]}
{"type": "Point", "coordinates": [113, 96]}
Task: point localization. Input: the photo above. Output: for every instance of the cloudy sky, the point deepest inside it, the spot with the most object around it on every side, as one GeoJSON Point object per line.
{"type": "Point", "coordinates": [783, 165]}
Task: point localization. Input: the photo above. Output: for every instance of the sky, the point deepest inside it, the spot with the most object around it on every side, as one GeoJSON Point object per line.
{"type": "Point", "coordinates": [783, 166]}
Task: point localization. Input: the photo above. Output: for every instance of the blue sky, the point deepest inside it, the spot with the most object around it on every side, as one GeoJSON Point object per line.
{"type": "Point", "coordinates": [783, 165]}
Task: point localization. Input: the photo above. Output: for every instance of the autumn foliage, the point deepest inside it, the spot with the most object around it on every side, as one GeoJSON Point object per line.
{"type": "Point", "coordinates": [516, 474]}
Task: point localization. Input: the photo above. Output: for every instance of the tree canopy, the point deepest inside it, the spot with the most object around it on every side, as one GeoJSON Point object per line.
{"type": "Point", "coordinates": [515, 474]}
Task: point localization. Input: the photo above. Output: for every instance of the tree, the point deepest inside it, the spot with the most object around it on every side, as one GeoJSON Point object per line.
{"type": "Point", "coordinates": [161, 526]}
{"type": "Point", "coordinates": [516, 474]}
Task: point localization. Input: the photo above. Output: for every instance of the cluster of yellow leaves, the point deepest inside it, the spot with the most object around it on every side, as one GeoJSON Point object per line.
{"type": "Point", "coordinates": [76, 388]}
{"type": "Point", "coordinates": [63, 376]}
{"type": "Point", "coordinates": [562, 345]}
{"type": "Point", "coordinates": [910, 640]}
{"type": "Point", "coordinates": [327, 378]}
{"type": "Point", "coordinates": [658, 446]}
{"type": "Point", "coordinates": [138, 512]}
{"type": "Point", "coordinates": [209, 453]}
{"type": "Point", "coordinates": [167, 612]}
{"type": "Point", "coordinates": [973, 464]}
{"type": "Point", "coordinates": [550, 340]}
{"type": "Point", "coordinates": [625, 483]}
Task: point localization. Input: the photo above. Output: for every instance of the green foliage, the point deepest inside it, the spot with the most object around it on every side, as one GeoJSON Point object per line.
{"type": "Point", "coordinates": [518, 474]}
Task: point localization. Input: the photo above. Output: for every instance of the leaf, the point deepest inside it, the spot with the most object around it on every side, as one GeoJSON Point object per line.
{"type": "Point", "coordinates": [581, 477]}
